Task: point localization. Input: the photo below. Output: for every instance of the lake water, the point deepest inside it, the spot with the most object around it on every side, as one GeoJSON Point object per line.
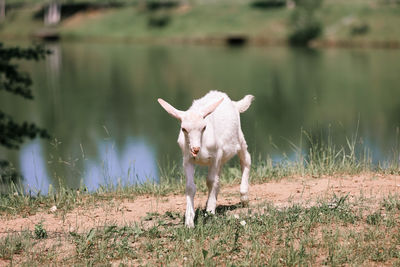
{"type": "Point", "coordinates": [99, 102]}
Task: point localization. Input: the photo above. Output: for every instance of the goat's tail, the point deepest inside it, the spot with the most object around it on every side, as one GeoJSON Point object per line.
{"type": "Point", "coordinates": [243, 104]}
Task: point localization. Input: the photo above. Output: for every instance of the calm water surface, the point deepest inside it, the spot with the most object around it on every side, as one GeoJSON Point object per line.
{"type": "Point", "coordinates": [99, 103]}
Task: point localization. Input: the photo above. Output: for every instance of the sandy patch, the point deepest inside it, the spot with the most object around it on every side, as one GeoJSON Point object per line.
{"type": "Point", "coordinates": [282, 193]}
{"type": "Point", "coordinates": [76, 20]}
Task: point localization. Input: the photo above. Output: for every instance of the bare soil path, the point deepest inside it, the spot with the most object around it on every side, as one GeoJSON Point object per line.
{"type": "Point", "coordinates": [282, 193]}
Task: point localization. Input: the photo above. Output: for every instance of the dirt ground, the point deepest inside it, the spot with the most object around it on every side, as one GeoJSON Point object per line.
{"type": "Point", "coordinates": [304, 190]}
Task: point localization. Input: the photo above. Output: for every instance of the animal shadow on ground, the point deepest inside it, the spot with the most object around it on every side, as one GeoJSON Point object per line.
{"type": "Point", "coordinates": [220, 210]}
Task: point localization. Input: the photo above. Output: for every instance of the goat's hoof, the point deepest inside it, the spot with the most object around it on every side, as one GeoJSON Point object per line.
{"type": "Point", "coordinates": [245, 204]}
{"type": "Point", "coordinates": [209, 212]}
{"type": "Point", "coordinates": [244, 200]}
{"type": "Point", "coordinates": [189, 224]}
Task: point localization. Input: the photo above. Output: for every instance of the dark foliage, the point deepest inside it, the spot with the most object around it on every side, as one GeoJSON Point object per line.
{"type": "Point", "coordinates": [304, 34]}
{"type": "Point", "coordinates": [159, 20]}
{"type": "Point", "coordinates": [160, 12]}
{"type": "Point", "coordinates": [360, 29]}
{"type": "Point", "coordinates": [8, 172]}
{"type": "Point", "coordinates": [12, 134]}
{"type": "Point", "coordinates": [305, 24]}
{"type": "Point", "coordinates": [267, 4]}
{"type": "Point", "coordinates": [236, 40]}
{"type": "Point", "coordinates": [12, 80]}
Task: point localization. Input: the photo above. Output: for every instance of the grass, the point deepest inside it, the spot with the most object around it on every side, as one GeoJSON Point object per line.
{"type": "Point", "coordinates": [216, 20]}
{"type": "Point", "coordinates": [222, 19]}
{"type": "Point", "coordinates": [339, 231]}
{"type": "Point", "coordinates": [331, 232]}
{"type": "Point", "coordinates": [315, 157]}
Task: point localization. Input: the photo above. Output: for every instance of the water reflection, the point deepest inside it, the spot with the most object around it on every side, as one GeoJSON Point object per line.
{"type": "Point", "coordinates": [134, 164]}
{"type": "Point", "coordinates": [34, 168]}
{"type": "Point", "coordinates": [85, 88]}
{"type": "Point", "coordinates": [53, 70]}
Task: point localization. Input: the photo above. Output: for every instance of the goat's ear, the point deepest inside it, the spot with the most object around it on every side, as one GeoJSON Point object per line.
{"type": "Point", "coordinates": [170, 109]}
{"type": "Point", "coordinates": [210, 109]}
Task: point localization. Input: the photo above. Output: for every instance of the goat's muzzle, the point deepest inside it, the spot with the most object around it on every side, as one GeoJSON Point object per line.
{"type": "Point", "coordinates": [194, 151]}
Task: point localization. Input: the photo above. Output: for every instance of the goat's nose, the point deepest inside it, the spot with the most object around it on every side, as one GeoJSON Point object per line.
{"type": "Point", "coordinates": [195, 150]}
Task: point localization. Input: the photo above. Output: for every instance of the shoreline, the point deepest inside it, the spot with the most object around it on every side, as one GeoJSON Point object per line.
{"type": "Point", "coordinates": [223, 41]}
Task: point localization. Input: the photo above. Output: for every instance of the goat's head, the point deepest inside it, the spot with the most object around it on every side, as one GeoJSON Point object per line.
{"type": "Point", "coordinates": [193, 123]}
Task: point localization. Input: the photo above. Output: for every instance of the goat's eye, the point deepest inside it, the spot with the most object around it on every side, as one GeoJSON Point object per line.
{"type": "Point", "coordinates": [184, 130]}
{"type": "Point", "coordinates": [204, 128]}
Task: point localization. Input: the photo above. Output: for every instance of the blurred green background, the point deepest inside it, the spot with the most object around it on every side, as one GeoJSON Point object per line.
{"type": "Point", "coordinates": [328, 22]}
{"type": "Point", "coordinates": [96, 93]}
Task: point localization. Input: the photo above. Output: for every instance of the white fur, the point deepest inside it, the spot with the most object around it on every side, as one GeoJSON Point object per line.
{"type": "Point", "coordinates": [213, 136]}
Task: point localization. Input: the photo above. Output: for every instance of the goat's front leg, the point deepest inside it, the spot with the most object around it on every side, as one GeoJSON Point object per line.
{"type": "Point", "coordinates": [190, 192]}
{"type": "Point", "coordinates": [213, 184]}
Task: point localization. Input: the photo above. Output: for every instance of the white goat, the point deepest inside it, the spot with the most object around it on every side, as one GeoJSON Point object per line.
{"type": "Point", "coordinates": [210, 135]}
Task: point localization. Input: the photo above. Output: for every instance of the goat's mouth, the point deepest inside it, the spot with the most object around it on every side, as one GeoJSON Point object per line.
{"type": "Point", "coordinates": [194, 152]}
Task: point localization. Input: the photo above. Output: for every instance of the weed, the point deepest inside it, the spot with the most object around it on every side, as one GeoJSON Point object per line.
{"type": "Point", "coordinates": [40, 232]}
{"type": "Point", "coordinates": [14, 243]}
{"type": "Point", "coordinates": [391, 203]}
{"type": "Point", "coordinates": [110, 242]}
{"type": "Point", "coordinates": [374, 218]}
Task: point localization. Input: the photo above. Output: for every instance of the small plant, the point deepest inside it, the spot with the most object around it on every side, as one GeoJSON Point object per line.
{"type": "Point", "coordinates": [391, 203]}
{"type": "Point", "coordinates": [159, 20]}
{"type": "Point", "coordinates": [40, 232]}
{"type": "Point", "coordinates": [8, 173]}
{"type": "Point", "coordinates": [305, 23]}
{"type": "Point", "coordinates": [360, 28]}
{"type": "Point", "coordinates": [110, 242]}
{"type": "Point", "coordinates": [374, 218]}
{"type": "Point", "coordinates": [14, 243]}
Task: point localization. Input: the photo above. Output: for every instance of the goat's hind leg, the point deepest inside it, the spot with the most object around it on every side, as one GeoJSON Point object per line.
{"type": "Point", "coordinates": [245, 163]}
